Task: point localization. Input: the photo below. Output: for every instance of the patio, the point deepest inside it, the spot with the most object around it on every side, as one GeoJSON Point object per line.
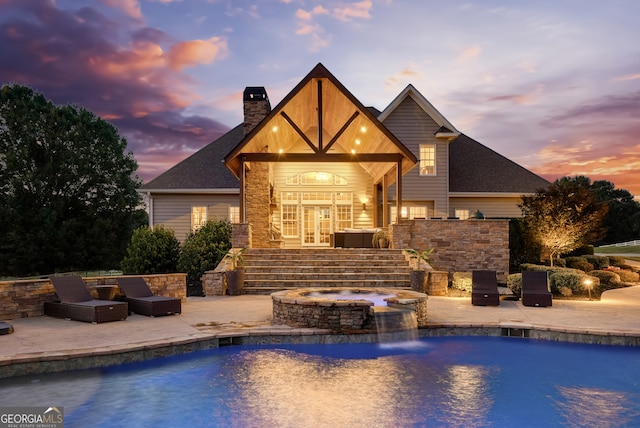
{"type": "Point", "coordinates": [50, 344]}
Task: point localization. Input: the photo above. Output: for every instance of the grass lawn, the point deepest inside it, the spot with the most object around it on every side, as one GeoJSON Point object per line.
{"type": "Point", "coordinates": [616, 250]}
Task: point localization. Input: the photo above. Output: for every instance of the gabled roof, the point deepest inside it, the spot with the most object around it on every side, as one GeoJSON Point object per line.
{"type": "Point", "coordinates": [320, 120]}
{"type": "Point", "coordinates": [447, 130]}
{"type": "Point", "coordinates": [203, 170]}
{"type": "Point", "coordinates": [492, 172]}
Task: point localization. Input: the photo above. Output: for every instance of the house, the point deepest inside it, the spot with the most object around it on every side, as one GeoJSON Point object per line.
{"type": "Point", "coordinates": [320, 162]}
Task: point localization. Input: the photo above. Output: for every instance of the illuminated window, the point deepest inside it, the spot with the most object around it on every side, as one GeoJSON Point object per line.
{"type": "Point", "coordinates": [462, 214]}
{"type": "Point", "coordinates": [409, 212]}
{"type": "Point", "coordinates": [427, 159]}
{"type": "Point", "coordinates": [198, 217]}
{"type": "Point", "coordinates": [344, 218]}
{"type": "Point", "coordinates": [289, 215]}
{"type": "Point", "coordinates": [234, 214]}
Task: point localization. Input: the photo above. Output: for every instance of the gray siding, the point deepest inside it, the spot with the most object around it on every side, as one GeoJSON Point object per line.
{"type": "Point", "coordinates": [489, 206]}
{"type": "Point", "coordinates": [174, 211]}
{"type": "Point", "coordinates": [413, 126]}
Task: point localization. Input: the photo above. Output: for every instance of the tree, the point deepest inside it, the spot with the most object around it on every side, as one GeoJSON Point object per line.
{"type": "Point", "coordinates": [151, 251]}
{"type": "Point", "coordinates": [68, 195]}
{"type": "Point", "coordinates": [565, 216]}
{"type": "Point", "coordinates": [202, 251]}
{"type": "Point", "coordinates": [623, 218]}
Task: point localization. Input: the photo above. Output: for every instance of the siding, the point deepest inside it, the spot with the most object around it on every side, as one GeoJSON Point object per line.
{"type": "Point", "coordinates": [413, 126]}
{"type": "Point", "coordinates": [174, 211]}
{"type": "Point", "coordinates": [489, 206]}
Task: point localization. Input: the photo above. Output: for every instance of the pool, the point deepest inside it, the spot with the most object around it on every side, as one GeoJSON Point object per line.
{"type": "Point", "coordinates": [452, 381]}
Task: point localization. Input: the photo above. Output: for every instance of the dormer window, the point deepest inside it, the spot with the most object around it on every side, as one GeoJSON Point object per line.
{"type": "Point", "coordinates": [427, 159]}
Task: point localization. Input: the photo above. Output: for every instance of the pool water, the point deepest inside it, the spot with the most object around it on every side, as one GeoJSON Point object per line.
{"type": "Point", "coordinates": [438, 382]}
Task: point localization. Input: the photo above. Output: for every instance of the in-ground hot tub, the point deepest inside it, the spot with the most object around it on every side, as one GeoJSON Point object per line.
{"type": "Point", "coordinates": [342, 309]}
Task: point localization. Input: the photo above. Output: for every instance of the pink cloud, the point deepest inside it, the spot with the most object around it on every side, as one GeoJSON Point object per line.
{"type": "Point", "coordinates": [353, 10]}
{"type": "Point", "coordinates": [117, 69]}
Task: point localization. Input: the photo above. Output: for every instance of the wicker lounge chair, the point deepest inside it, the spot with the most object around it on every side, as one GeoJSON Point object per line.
{"type": "Point", "coordinates": [142, 301]}
{"type": "Point", "coordinates": [535, 288]}
{"type": "Point", "coordinates": [484, 288]}
{"type": "Point", "coordinates": [76, 303]}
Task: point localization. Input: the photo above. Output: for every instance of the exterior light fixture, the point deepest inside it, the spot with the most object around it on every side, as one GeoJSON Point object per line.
{"type": "Point", "coordinates": [353, 151]}
{"type": "Point", "coordinates": [588, 284]}
{"type": "Point", "coordinates": [281, 151]}
{"type": "Point", "coordinates": [357, 141]}
{"type": "Point", "coordinates": [275, 128]}
{"type": "Point", "coordinates": [364, 200]}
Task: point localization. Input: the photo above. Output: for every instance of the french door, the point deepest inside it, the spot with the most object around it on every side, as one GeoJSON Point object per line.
{"type": "Point", "coordinates": [316, 225]}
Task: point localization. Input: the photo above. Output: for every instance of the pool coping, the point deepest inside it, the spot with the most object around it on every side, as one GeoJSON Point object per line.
{"type": "Point", "coordinates": [94, 358]}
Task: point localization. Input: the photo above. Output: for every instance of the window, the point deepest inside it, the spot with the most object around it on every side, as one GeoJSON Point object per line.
{"type": "Point", "coordinates": [427, 159]}
{"type": "Point", "coordinates": [289, 215]}
{"type": "Point", "coordinates": [234, 214]}
{"type": "Point", "coordinates": [462, 214]}
{"type": "Point", "coordinates": [344, 219]}
{"type": "Point", "coordinates": [409, 212]}
{"type": "Point", "coordinates": [198, 217]}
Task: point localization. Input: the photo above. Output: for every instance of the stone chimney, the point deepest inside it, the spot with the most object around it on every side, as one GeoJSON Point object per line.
{"type": "Point", "coordinates": [256, 106]}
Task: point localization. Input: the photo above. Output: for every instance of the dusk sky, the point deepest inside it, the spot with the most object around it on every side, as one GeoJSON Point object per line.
{"type": "Point", "coordinates": [553, 85]}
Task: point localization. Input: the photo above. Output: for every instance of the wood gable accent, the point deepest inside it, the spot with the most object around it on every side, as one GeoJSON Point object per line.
{"type": "Point", "coordinates": [321, 121]}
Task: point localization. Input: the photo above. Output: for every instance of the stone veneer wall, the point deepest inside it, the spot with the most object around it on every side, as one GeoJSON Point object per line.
{"type": "Point", "coordinates": [257, 204]}
{"type": "Point", "coordinates": [459, 245]}
{"type": "Point", "coordinates": [241, 235]}
{"type": "Point", "coordinates": [25, 298]}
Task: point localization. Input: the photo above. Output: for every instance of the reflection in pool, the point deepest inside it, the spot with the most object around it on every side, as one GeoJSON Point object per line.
{"type": "Point", "coordinates": [459, 381]}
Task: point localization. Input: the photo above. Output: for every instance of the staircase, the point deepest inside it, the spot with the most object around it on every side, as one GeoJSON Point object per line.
{"type": "Point", "coordinates": [274, 269]}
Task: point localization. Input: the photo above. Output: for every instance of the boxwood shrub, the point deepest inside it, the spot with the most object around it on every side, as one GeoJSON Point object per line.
{"type": "Point", "coordinates": [598, 262]}
{"type": "Point", "coordinates": [579, 263]}
{"type": "Point", "coordinates": [607, 277]}
{"type": "Point", "coordinates": [572, 283]}
{"type": "Point", "coordinates": [628, 276]}
{"type": "Point", "coordinates": [514, 283]}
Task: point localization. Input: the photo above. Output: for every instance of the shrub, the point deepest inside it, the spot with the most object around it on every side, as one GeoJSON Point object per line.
{"type": "Point", "coordinates": [528, 266]}
{"type": "Point", "coordinates": [606, 276]}
{"type": "Point", "coordinates": [616, 261]}
{"type": "Point", "coordinates": [462, 281]}
{"type": "Point", "coordinates": [628, 276]}
{"type": "Point", "coordinates": [598, 262]}
{"type": "Point", "coordinates": [560, 263]}
{"type": "Point", "coordinates": [571, 283]}
{"type": "Point", "coordinates": [580, 263]}
{"type": "Point", "coordinates": [151, 251]}
{"type": "Point", "coordinates": [514, 282]}
{"type": "Point", "coordinates": [203, 250]}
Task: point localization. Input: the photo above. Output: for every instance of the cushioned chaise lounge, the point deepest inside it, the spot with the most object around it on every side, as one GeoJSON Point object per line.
{"type": "Point", "coordinates": [484, 288]}
{"type": "Point", "coordinates": [535, 288]}
{"type": "Point", "coordinates": [76, 303]}
{"type": "Point", "coordinates": [142, 301]}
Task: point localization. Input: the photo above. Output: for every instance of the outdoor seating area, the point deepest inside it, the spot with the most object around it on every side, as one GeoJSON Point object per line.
{"type": "Point", "coordinates": [484, 288]}
{"type": "Point", "coordinates": [354, 238]}
{"type": "Point", "coordinates": [76, 303]}
{"type": "Point", "coordinates": [141, 299]}
{"type": "Point", "coordinates": [535, 288]}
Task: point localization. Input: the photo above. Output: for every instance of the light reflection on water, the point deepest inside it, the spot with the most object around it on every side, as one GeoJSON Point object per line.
{"type": "Point", "coordinates": [442, 382]}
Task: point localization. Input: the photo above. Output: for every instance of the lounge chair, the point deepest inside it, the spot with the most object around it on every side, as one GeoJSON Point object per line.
{"type": "Point", "coordinates": [142, 301]}
{"type": "Point", "coordinates": [535, 288]}
{"type": "Point", "coordinates": [484, 288]}
{"type": "Point", "coordinates": [76, 303]}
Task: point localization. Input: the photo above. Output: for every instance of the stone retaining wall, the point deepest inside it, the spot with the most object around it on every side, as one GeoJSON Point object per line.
{"type": "Point", "coordinates": [459, 245]}
{"type": "Point", "coordinates": [297, 309]}
{"type": "Point", "coordinates": [25, 298]}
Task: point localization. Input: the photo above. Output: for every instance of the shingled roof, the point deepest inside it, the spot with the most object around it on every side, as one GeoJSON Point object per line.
{"type": "Point", "coordinates": [202, 170]}
{"type": "Point", "coordinates": [492, 172]}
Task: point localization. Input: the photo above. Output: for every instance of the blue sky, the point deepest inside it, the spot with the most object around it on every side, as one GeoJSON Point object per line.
{"type": "Point", "coordinates": [552, 85]}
